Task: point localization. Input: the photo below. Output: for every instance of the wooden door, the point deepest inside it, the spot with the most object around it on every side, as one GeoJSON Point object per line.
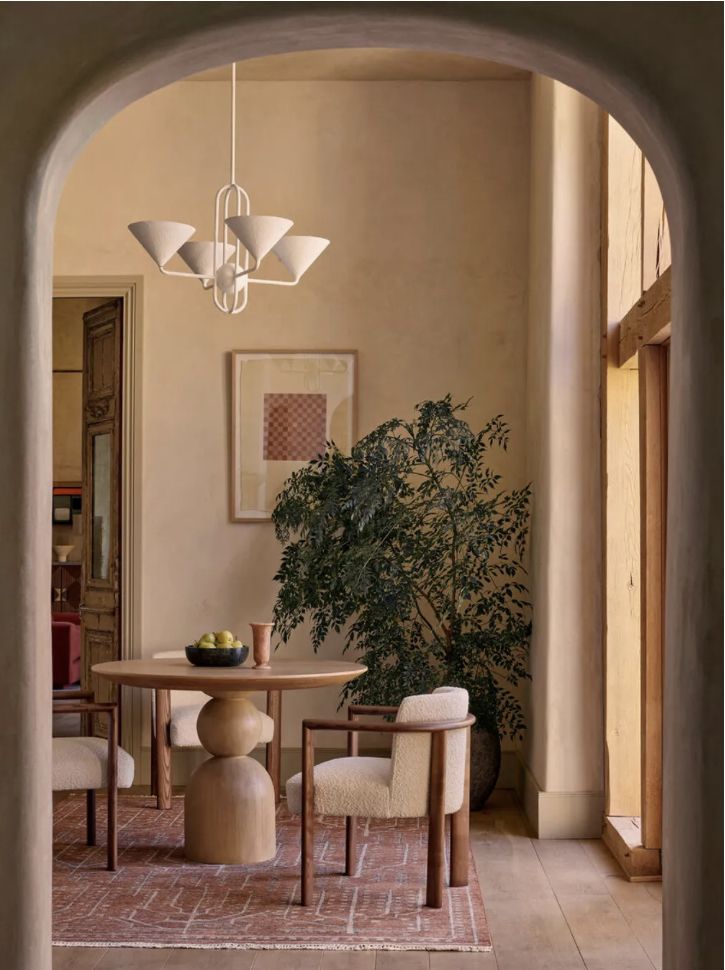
{"type": "Point", "coordinates": [100, 574]}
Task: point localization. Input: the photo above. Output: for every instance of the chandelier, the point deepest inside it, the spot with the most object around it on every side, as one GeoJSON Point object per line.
{"type": "Point", "coordinates": [241, 241]}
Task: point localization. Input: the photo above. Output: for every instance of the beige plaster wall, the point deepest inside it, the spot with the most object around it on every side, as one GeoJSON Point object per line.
{"type": "Point", "coordinates": [563, 781]}
{"type": "Point", "coordinates": [423, 190]}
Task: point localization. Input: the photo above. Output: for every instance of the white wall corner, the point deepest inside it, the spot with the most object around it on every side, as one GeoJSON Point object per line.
{"type": "Point", "coordinates": [560, 814]}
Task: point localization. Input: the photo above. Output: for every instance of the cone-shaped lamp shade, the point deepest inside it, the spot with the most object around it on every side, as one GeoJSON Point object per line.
{"type": "Point", "coordinates": [298, 253]}
{"type": "Point", "coordinates": [258, 234]}
{"type": "Point", "coordinates": [199, 257]}
{"type": "Point", "coordinates": [161, 239]}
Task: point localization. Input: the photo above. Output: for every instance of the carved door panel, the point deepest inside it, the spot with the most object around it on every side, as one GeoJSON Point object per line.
{"type": "Point", "coordinates": [100, 585]}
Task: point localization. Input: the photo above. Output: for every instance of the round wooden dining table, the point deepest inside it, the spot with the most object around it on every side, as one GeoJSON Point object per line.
{"type": "Point", "coordinates": [229, 807]}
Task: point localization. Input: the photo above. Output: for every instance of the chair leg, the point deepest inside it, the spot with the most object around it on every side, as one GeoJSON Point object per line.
{"type": "Point", "coordinates": [436, 822]}
{"type": "Point", "coordinates": [308, 819]}
{"type": "Point", "coordinates": [273, 754]}
{"type": "Point", "coordinates": [460, 827]}
{"type": "Point", "coordinates": [153, 787]}
{"type": "Point", "coordinates": [350, 845]}
{"type": "Point", "coordinates": [163, 749]}
{"type": "Point", "coordinates": [112, 789]}
{"type": "Point", "coordinates": [90, 817]}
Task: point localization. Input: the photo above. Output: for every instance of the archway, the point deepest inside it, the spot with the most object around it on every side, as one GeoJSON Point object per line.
{"type": "Point", "coordinates": [84, 65]}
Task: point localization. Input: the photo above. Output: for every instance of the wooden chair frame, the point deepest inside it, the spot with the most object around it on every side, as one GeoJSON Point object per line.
{"type": "Point", "coordinates": [161, 746]}
{"type": "Point", "coordinates": [460, 823]}
{"type": "Point", "coordinates": [82, 702]}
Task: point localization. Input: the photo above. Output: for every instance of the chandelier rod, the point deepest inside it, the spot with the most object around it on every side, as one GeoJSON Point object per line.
{"type": "Point", "coordinates": [233, 147]}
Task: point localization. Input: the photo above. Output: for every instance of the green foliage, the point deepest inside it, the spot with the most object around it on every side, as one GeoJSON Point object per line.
{"type": "Point", "coordinates": [412, 549]}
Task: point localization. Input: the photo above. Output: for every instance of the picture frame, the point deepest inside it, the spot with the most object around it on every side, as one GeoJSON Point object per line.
{"type": "Point", "coordinates": [285, 406]}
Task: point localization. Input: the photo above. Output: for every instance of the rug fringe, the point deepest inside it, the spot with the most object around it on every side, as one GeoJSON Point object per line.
{"type": "Point", "coordinates": [430, 948]}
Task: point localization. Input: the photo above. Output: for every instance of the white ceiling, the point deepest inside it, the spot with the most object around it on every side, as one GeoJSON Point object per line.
{"type": "Point", "coordinates": [365, 64]}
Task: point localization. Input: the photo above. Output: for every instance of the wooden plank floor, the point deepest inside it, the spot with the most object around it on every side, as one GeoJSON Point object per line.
{"type": "Point", "coordinates": [552, 905]}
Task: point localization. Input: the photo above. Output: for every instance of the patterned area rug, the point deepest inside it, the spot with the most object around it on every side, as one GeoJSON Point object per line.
{"type": "Point", "coordinates": [157, 898]}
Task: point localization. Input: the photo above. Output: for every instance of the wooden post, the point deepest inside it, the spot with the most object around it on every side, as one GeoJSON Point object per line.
{"type": "Point", "coordinates": [653, 383]}
{"type": "Point", "coordinates": [460, 826]}
{"type": "Point", "coordinates": [162, 744]}
{"type": "Point", "coordinates": [436, 821]}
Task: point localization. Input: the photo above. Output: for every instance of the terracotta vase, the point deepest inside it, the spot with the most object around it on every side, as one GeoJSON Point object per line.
{"type": "Point", "coordinates": [261, 643]}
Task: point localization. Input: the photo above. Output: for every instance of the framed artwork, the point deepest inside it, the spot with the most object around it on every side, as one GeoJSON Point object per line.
{"type": "Point", "coordinates": [285, 406]}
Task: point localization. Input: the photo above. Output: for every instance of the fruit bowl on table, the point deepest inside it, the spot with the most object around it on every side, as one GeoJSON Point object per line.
{"type": "Point", "coordinates": [216, 656]}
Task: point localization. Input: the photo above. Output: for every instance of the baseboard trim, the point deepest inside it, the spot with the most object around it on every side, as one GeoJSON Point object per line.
{"type": "Point", "coordinates": [557, 814]}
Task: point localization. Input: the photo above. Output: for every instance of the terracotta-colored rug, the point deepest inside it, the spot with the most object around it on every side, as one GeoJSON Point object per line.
{"type": "Point", "coordinates": [157, 898]}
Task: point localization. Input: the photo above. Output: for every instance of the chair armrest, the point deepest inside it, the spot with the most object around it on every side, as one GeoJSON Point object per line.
{"type": "Point", "coordinates": [85, 707]}
{"type": "Point", "coordinates": [68, 695]}
{"type": "Point", "coordinates": [389, 727]}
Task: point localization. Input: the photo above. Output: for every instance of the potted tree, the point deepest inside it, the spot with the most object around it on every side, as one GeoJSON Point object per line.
{"type": "Point", "coordinates": [411, 547]}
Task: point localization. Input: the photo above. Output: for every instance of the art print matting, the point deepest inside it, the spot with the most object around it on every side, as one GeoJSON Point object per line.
{"type": "Point", "coordinates": [285, 406]}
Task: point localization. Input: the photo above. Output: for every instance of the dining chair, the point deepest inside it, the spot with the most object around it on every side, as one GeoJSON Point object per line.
{"type": "Point", "coordinates": [173, 726]}
{"type": "Point", "coordinates": [91, 763]}
{"type": "Point", "coordinates": [427, 774]}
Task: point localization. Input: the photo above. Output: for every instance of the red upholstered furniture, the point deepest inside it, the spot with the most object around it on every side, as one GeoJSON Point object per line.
{"type": "Point", "coordinates": [66, 634]}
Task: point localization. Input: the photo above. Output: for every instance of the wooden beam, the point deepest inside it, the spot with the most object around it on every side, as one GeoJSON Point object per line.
{"type": "Point", "coordinates": [649, 320]}
{"type": "Point", "coordinates": [653, 381]}
{"type": "Point", "coordinates": [622, 836]}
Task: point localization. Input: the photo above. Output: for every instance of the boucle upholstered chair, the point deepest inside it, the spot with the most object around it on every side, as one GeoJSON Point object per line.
{"type": "Point", "coordinates": [91, 763]}
{"type": "Point", "coordinates": [173, 725]}
{"type": "Point", "coordinates": [427, 774]}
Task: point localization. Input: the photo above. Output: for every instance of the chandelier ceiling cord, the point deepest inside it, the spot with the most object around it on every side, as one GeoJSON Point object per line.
{"type": "Point", "coordinates": [241, 241]}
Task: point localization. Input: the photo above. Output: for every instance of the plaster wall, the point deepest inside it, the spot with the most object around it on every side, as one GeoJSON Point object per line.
{"type": "Point", "coordinates": [426, 278]}
{"type": "Point", "coordinates": [563, 782]}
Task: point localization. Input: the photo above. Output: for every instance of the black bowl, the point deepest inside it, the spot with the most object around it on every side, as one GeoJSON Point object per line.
{"type": "Point", "coordinates": [216, 656]}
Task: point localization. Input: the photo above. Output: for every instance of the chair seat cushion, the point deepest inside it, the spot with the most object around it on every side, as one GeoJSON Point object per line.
{"type": "Point", "coordinates": [83, 763]}
{"type": "Point", "coordinates": [182, 728]}
{"type": "Point", "coordinates": [346, 786]}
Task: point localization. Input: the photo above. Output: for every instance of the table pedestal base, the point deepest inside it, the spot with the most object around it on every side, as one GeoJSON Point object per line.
{"type": "Point", "coordinates": [229, 813]}
{"type": "Point", "coordinates": [229, 809]}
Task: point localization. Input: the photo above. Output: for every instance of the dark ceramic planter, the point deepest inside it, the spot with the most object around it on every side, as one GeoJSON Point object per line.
{"type": "Point", "coordinates": [485, 765]}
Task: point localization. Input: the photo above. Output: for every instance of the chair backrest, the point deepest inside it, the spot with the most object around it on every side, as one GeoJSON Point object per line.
{"type": "Point", "coordinates": [410, 767]}
{"type": "Point", "coordinates": [180, 698]}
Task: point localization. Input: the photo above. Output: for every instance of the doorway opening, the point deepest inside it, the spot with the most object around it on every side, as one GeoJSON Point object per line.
{"type": "Point", "coordinates": [95, 462]}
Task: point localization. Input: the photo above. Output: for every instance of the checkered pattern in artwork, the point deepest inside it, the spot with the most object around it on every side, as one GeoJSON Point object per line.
{"type": "Point", "coordinates": [294, 426]}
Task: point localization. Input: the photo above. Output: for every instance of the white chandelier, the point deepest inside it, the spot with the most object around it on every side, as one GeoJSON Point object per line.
{"type": "Point", "coordinates": [241, 241]}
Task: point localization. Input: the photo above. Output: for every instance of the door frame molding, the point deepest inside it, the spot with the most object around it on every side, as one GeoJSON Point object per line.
{"type": "Point", "coordinates": [130, 290]}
